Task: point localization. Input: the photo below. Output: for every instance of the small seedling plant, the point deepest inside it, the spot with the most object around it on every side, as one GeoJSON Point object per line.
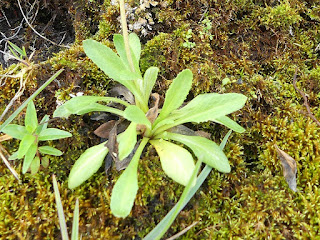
{"type": "Point", "coordinates": [149, 125]}
{"type": "Point", "coordinates": [30, 135]}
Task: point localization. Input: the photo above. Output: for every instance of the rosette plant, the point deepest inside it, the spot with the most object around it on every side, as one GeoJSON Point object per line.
{"type": "Point", "coordinates": [149, 124]}
{"type": "Point", "coordinates": [30, 135]}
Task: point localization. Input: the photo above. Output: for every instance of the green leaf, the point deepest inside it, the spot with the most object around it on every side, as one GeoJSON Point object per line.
{"type": "Point", "coordinates": [25, 144]}
{"type": "Point", "coordinates": [53, 134]}
{"type": "Point", "coordinates": [176, 93]}
{"type": "Point", "coordinates": [50, 150]}
{"type": "Point", "coordinates": [210, 106]}
{"type": "Point", "coordinates": [207, 151]}
{"type": "Point", "coordinates": [35, 165]}
{"type": "Point", "coordinates": [17, 49]}
{"type": "Point", "coordinates": [108, 61]}
{"type": "Point", "coordinates": [176, 161]}
{"type": "Point", "coordinates": [62, 219]}
{"type": "Point", "coordinates": [149, 79]}
{"type": "Point", "coordinates": [224, 120]}
{"type": "Point", "coordinates": [166, 222]}
{"type": "Point", "coordinates": [43, 124]}
{"type": "Point", "coordinates": [75, 222]}
{"type": "Point", "coordinates": [14, 156]}
{"type": "Point", "coordinates": [127, 140]}
{"type": "Point", "coordinates": [45, 161]}
{"type": "Point", "coordinates": [125, 190]}
{"type": "Point", "coordinates": [135, 48]}
{"type": "Point", "coordinates": [28, 158]}
{"type": "Point", "coordinates": [31, 120]}
{"type": "Point", "coordinates": [15, 131]}
{"type": "Point", "coordinates": [88, 163]}
{"type": "Point", "coordinates": [85, 104]}
{"type": "Point", "coordinates": [135, 114]}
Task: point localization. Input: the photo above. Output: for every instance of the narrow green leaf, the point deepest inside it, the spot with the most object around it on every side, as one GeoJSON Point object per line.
{"type": "Point", "coordinates": [62, 220]}
{"type": "Point", "coordinates": [35, 165]}
{"type": "Point", "coordinates": [30, 154]}
{"type": "Point", "coordinates": [25, 144]}
{"type": "Point", "coordinates": [15, 131]}
{"type": "Point", "coordinates": [53, 134]}
{"type": "Point", "coordinates": [127, 140]}
{"type": "Point", "coordinates": [135, 114]}
{"type": "Point", "coordinates": [88, 163]}
{"type": "Point", "coordinates": [125, 190]}
{"type": "Point", "coordinates": [176, 93]}
{"type": "Point", "coordinates": [149, 79]}
{"type": "Point", "coordinates": [176, 161]}
{"type": "Point", "coordinates": [24, 104]}
{"type": "Point", "coordinates": [224, 120]}
{"type": "Point", "coordinates": [135, 48]}
{"type": "Point", "coordinates": [43, 124]}
{"type": "Point", "coordinates": [31, 120]}
{"type": "Point", "coordinates": [50, 150]}
{"type": "Point", "coordinates": [17, 49]}
{"type": "Point", "coordinates": [108, 61]}
{"type": "Point", "coordinates": [207, 151]}
{"type": "Point", "coordinates": [75, 222]}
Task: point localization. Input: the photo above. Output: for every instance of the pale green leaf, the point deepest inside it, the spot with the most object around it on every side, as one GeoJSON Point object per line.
{"type": "Point", "coordinates": [15, 131]}
{"type": "Point", "coordinates": [50, 150]}
{"type": "Point", "coordinates": [108, 61]}
{"type": "Point", "coordinates": [176, 161]}
{"type": "Point", "coordinates": [85, 104]}
{"type": "Point", "coordinates": [125, 190]}
{"type": "Point", "coordinates": [135, 114]}
{"type": "Point", "coordinates": [224, 120]}
{"type": "Point", "coordinates": [210, 106]}
{"type": "Point", "coordinates": [135, 48]}
{"type": "Point", "coordinates": [43, 124]}
{"type": "Point", "coordinates": [149, 79]}
{"type": "Point", "coordinates": [205, 150]}
{"type": "Point", "coordinates": [35, 165]}
{"type": "Point", "coordinates": [53, 134]}
{"type": "Point", "coordinates": [176, 93]}
{"type": "Point", "coordinates": [25, 144]}
{"type": "Point", "coordinates": [75, 222]}
{"type": "Point", "coordinates": [88, 163]}
{"type": "Point", "coordinates": [127, 140]}
{"type": "Point", "coordinates": [31, 120]}
{"type": "Point", "coordinates": [62, 219]}
{"type": "Point", "coordinates": [28, 158]}
{"type": "Point", "coordinates": [14, 156]}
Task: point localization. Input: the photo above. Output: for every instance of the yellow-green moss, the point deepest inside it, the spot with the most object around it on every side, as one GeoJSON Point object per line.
{"type": "Point", "coordinates": [257, 45]}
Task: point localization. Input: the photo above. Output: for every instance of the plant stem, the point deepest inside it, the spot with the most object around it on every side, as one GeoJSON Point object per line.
{"type": "Point", "coordinates": [125, 34]}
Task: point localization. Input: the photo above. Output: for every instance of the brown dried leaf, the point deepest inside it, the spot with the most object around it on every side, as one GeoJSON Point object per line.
{"type": "Point", "coordinates": [289, 168]}
{"type": "Point", "coordinates": [103, 130]}
{"type": "Point", "coordinates": [152, 114]}
{"type": "Point", "coordinates": [112, 143]}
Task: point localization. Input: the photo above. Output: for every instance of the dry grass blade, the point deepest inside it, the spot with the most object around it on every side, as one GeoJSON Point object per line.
{"type": "Point", "coordinates": [183, 231]}
{"type": "Point", "coordinates": [6, 162]}
{"type": "Point", "coordinates": [289, 168]}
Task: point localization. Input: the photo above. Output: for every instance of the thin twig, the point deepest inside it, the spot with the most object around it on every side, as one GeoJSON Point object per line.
{"type": "Point", "coordinates": [183, 231]}
{"type": "Point", "coordinates": [4, 159]}
{"type": "Point", "coordinates": [304, 98]}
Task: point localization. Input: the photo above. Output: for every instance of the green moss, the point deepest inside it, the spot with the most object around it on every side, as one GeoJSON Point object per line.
{"type": "Point", "coordinates": [257, 45]}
